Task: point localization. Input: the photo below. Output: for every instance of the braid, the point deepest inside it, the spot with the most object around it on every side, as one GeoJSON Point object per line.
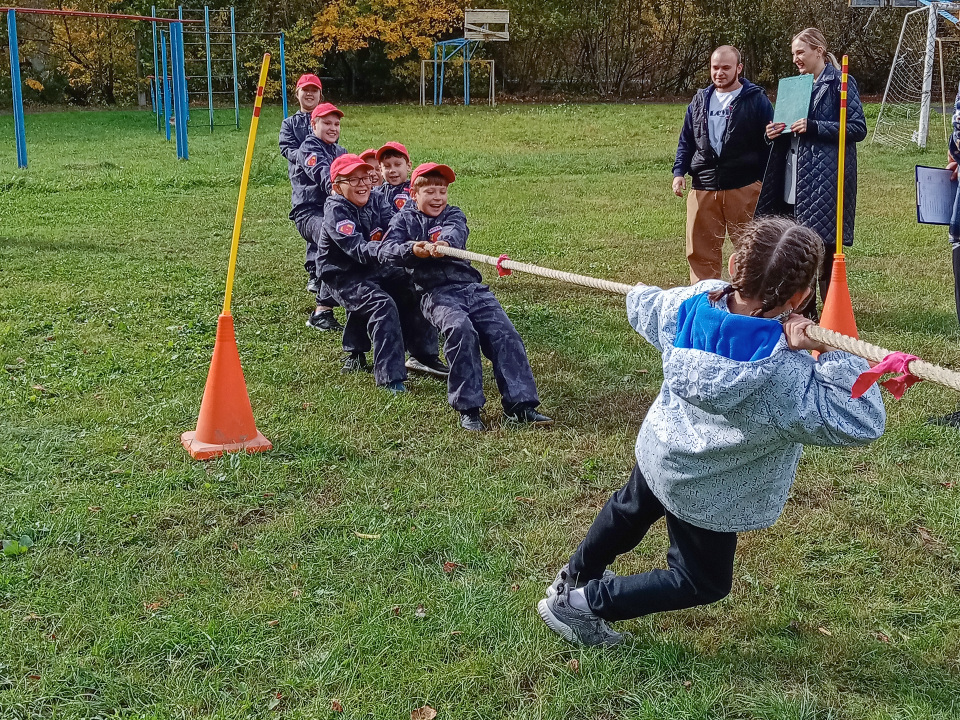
{"type": "Point", "coordinates": [776, 257]}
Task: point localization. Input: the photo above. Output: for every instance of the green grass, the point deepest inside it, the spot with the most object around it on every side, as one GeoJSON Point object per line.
{"type": "Point", "coordinates": [159, 587]}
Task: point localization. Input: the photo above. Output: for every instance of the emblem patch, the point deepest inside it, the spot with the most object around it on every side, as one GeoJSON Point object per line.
{"type": "Point", "coordinates": [376, 235]}
{"type": "Point", "coordinates": [311, 161]}
{"type": "Point", "coordinates": [401, 200]}
{"type": "Point", "coordinates": [434, 233]}
{"type": "Point", "coordinates": [346, 227]}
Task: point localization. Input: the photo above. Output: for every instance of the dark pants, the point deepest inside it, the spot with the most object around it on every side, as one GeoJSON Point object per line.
{"type": "Point", "coordinates": [309, 229]}
{"type": "Point", "coordinates": [700, 561]}
{"type": "Point", "coordinates": [390, 308]}
{"type": "Point", "coordinates": [473, 321]}
{"type": "Point", "coordinates": [956, 277]}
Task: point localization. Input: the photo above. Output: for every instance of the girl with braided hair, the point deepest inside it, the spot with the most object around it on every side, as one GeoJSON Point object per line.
{"type": "Point", "coordinates": [719, 448]}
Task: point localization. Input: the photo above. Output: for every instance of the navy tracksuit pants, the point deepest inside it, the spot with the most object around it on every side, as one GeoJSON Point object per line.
{"type": "Point", "coordinates": [389, 306]}
{"type": "Point", "coordinates": [309, 229]}
{"type": "Point", "coordinates": [473, 321]}
{"type": "Point", "coordinates": [700, 561]}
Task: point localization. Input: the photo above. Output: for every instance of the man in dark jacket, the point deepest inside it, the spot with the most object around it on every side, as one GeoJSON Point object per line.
{"type": "Point", "coordinates": [722, 148]}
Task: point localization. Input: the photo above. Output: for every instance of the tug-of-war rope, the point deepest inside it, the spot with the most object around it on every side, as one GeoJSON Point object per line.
{"type": "Point", "coordinates": [895, 361]}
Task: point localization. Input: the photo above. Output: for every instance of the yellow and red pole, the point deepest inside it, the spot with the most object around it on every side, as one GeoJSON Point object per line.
{"type": "Point", "coordinates": [843, 154]}
{"type": "Point", "coordinates": [837, 312]}
{"type": "Point", "coordinates": [244, 179]}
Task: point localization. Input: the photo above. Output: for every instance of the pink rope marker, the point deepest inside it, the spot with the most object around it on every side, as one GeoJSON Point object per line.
{"type": "Point", "coordinates": [895, 362]}
{"type": "Point", "coordinates": [501, 270]}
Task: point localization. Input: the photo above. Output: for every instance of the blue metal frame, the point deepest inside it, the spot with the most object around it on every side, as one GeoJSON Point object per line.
{"type": "Point", "coordinates": [283, 74]}
{"type": "Point", "coordinates": [236, 87]}
{"type": "Point", "coordinates": [180, 97]}
{"type": "Point", "coordinates": [155, 85]}
{"type": "Point", "coordinates": [206, 36]}
{"type": "Point", "coordinates": [19, 127]}
{"type": "Point", "coordinates": [445, 51]}
{"type": "Point", "coordinates": [165, 84]}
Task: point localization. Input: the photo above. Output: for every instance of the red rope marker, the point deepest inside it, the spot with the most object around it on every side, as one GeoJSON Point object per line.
{"type": "Point", "coordinates": [501, 270]}
{"type": "Point", "coordinates": [896, 362]}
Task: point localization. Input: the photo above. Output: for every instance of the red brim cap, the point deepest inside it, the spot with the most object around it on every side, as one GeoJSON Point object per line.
{"type": "Point", "coordinates": [346, 164]}
{"type": "Point", "coordinates": [309, 79]}
{"type": "Point", "coordinates": [368, 154]}
{"type": "Point", "coordinates": [325, 109]}
{"type": "Point", "coordinates": [443, 170]}
{"type": "Point", "coordinates": [393, 146]}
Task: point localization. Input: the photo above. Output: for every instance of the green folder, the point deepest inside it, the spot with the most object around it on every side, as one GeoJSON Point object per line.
{"type": "Point", "coordinates": [793, 99]}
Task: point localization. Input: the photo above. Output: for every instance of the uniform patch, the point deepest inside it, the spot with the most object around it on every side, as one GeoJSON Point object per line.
{"type": "Point", "coordinates": [401, 200]}
{"type": "Point", "coordinates": [346, 227]}
{"type": "Point", "coordinates": [311, 161]}
{"type": "Point", "coordinates": [376, 235]}
{"type": "Point", "coordinates": [434, 233]}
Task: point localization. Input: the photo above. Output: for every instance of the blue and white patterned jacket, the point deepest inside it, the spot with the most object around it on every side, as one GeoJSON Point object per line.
{"type": "Point", "coordinates": [955, 137]}
{"type": "Point", "coordinates": [721, 443]}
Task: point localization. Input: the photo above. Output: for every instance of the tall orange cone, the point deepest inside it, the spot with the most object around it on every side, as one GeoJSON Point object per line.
{"type": "Point", "coordinates": [226, 419]}
{"type": "Point", "coordinates": [837, 312]}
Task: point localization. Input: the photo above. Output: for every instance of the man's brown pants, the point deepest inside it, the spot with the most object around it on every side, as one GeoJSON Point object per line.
{"type": "Point", "coordinates": [711, 214]}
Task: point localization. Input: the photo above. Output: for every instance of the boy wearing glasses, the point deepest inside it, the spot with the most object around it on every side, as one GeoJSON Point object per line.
{"type": "Point", "coordinates": [457, 303]}
{"type": "Point", "coordinates": [381, 296]}
{"type": "Point", "coordinates": [310, 180]}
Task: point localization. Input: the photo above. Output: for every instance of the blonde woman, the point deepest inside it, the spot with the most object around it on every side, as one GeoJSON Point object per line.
{"type": "Point", "coordinates": [801, 176]}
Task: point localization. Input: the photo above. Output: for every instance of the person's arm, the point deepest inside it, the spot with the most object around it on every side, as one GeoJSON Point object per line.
{"type": "Point", "coordinates": [686, 147]}
{"type": "Point", "coordinates": [345, 233]}
{"type": "Point", "coordinates": [397, 245]}
{"type": "Point", "coordinates": [856, 121]}
{"type": "Point", "coordinates": [455, 231]}
{"type": "Point", "coordinates": [316, 167]}
{"type": "Point", "coordinates": [288, 140]}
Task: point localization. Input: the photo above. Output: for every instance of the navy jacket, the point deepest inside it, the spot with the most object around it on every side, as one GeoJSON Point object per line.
{"type": "Point", "coordinates": [293, 131]}
{"type": "Point", "coordinates": [818, 162]}
{"type": "Point", "coordinates": [744, 152]}
{"type": "Point", "coordinates": [349, 240]}
{"type": "Point", "coordinates": [310, 176]}
{"type": "Point", "coordinates": [410, 226]}
{"type": "Point", "coordinates": [396, 197]}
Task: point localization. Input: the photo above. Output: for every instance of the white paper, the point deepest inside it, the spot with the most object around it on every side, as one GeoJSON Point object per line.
{"type": "Point", "coordinates": [936, 193]}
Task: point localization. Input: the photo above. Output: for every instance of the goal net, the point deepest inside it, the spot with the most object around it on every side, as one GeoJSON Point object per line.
{"type": "Point", "coordinates": [918, 99]}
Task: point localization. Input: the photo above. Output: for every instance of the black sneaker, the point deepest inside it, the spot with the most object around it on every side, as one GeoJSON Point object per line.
{"type": "Point", "coordinates": [428, 367]}
{"type": "Point", "coordinates": [526, 415]}
{"type": "Point", "coordinates": [354, 363]}
{"type": "Point", "coordinates": [951, 420]}
{"type": "Point", "coordinates": [313, 287]}
{"type": "Point", "coordinates": [324, 320]}
{"type": "Point", "coordinates": [470, 420]}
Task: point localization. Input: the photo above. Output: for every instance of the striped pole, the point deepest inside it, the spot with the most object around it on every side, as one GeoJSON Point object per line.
{"type": "Point", "coordinates": [842, 155]}
{"type": "Point", "coordinates": [244, 178]}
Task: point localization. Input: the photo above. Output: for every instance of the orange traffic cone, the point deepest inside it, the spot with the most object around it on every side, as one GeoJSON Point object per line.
{"type": "Point", "coordinates": [837, 312]}
{"type": "Point", "coordinates": [226, 419]}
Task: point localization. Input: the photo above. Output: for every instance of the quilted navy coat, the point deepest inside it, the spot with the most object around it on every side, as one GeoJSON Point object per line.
{"type": "Point", "coordinates": [817, 162]}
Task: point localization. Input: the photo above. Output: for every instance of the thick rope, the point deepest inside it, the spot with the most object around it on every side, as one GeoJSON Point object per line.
{"type": "Point", "coordinates": [874, 353]}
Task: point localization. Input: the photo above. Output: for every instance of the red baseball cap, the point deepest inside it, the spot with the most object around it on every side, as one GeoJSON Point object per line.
{"type": "Point", "coordinates": [368, 153]}
{"type": "Point", "coordinates": [309, 79]}
{"type": "Point", "coordinates": [443, 170]}
{"type": "Point", "coordinates": [393, 146]}
{"type": "Point", "coordinates": [346, 164]}
{"type": "Point", "coordinates": [324, 109]}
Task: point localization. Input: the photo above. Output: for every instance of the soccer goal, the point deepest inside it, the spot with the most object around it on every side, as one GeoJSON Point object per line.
{"type": "Point", "coordinates": [923, 77]}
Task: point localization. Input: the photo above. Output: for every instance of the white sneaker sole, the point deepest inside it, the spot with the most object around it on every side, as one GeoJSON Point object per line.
{"type": "Point", "coordinates": [417, 366]}
{"type": "Point", "coordinates": [553, 622]}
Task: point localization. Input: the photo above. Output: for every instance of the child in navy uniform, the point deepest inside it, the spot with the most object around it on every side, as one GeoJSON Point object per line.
{"type": "Point", "coordinates": [369, 156]}
{"type": "Point", "coordinates": [719, 448]}
{"type": "Point", "coordinates": [311, 187]}
{"type": "Point", "coordinates": [457, 303]}
{"type": "Point", "coordinates": [293, 131]}
{"type": "Point", "coordinates": [384, 297]}
{"type": "Point", "coordinates": [394, 162]}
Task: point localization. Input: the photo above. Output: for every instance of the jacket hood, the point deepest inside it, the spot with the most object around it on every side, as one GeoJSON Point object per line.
{"type": "Point", "coordinates": [720, 359]}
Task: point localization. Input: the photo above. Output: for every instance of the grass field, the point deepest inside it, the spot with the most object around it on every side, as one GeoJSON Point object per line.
{"type": "Point", "coordinates": [157, 587]}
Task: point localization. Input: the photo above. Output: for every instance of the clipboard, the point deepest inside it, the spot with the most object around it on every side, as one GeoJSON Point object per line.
{"type": "Point", "coordinates": [936, 194]}
{"type": "Point", "coordinates": [793, 99]}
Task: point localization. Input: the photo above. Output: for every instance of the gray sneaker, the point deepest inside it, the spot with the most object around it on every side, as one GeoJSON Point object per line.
{"type": "Point", "coordinates": [577, 626]}
{"type": "Point", "coordinates": [564, 577]}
